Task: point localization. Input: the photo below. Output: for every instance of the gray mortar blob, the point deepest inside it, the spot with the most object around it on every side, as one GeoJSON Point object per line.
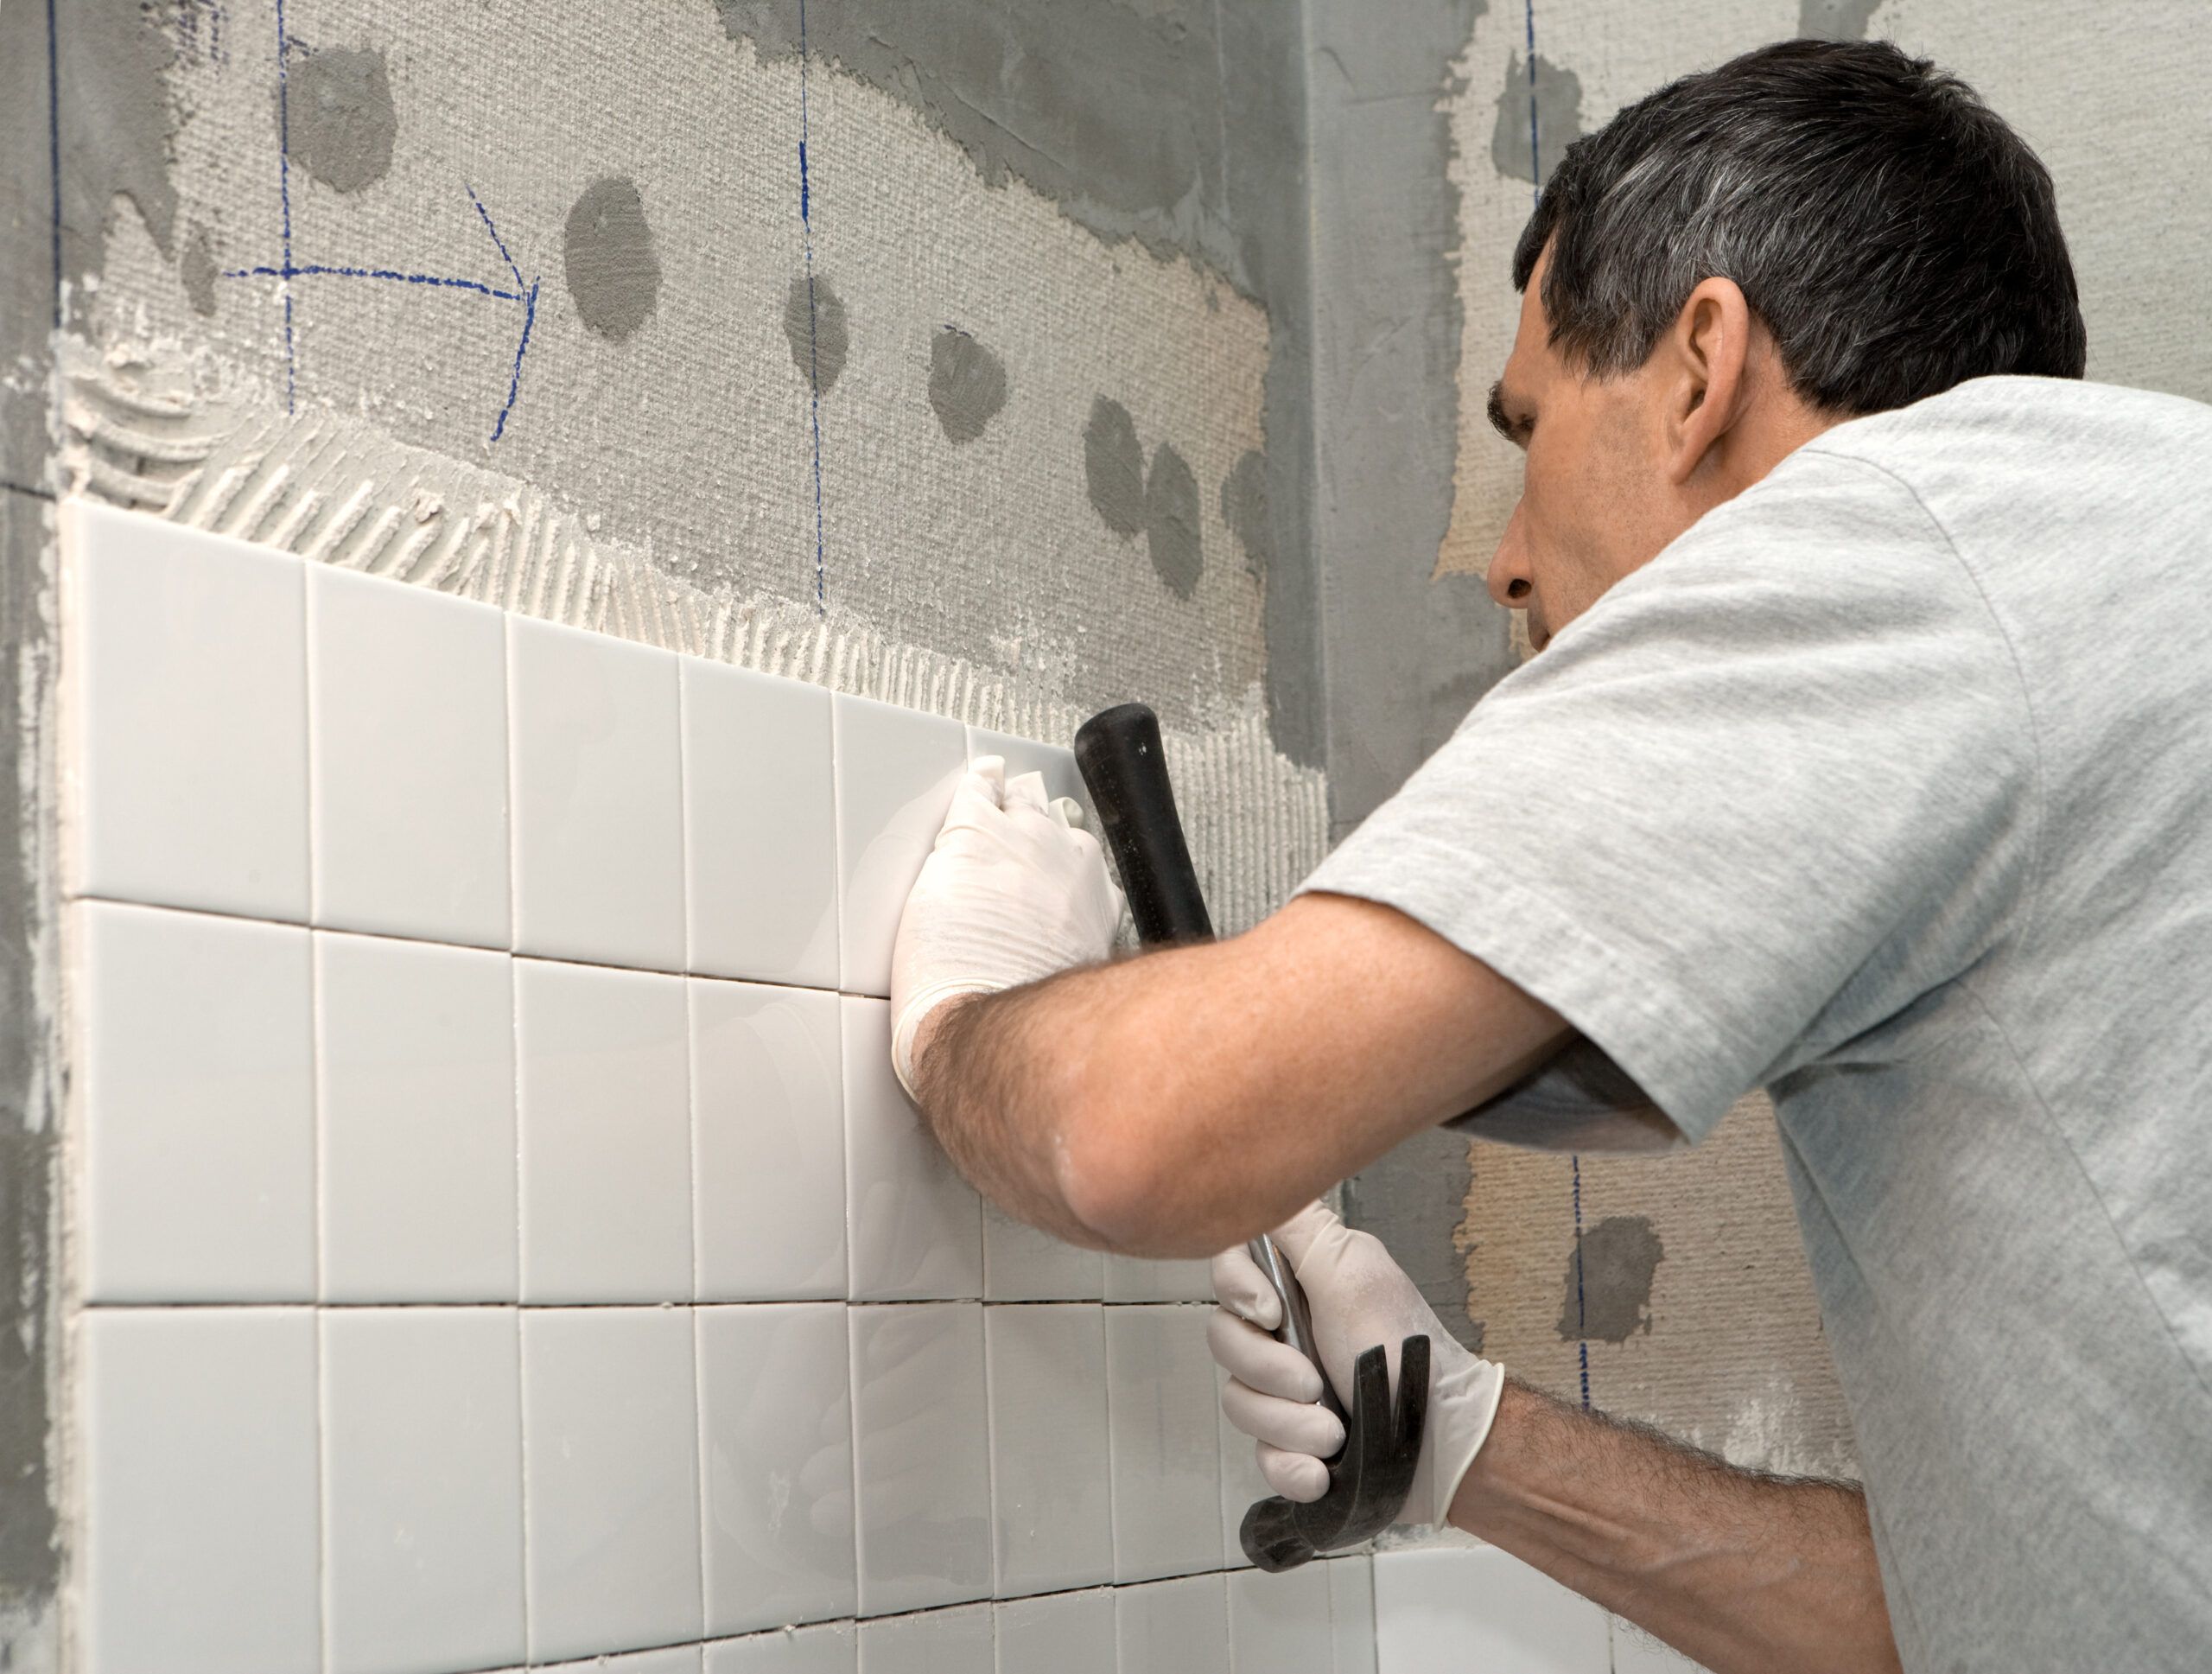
{"type": "Point", "coordinates": [1113, 467]}
{"type": "Point", "coordinates": [1244, 509]}
{"type": "Point", "coordinates": [1609, 1281]}
{"type": "Point", "coordinates": [197, 269]}
{"type": "Point", "coordinates": [967, 385]}
{"type": "Point", "coordinates": [338, 122]}
{"type": "Point", "coordinates": [1836, 20]}
{"type": "Point", "coordinates": [1559, 119]}
{"type": "Point", "coordinates": [814, 325]}
{"type": "Point", "coordinates": [1171, 522]}
{"type": "Point", "coordinates": [607, 252]}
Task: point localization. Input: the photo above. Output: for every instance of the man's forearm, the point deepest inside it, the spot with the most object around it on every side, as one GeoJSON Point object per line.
{"type": "Point", "coordinates": [1743, 1572]}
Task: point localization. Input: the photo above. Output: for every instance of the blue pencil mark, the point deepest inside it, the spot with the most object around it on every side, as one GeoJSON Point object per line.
{"type": "Point", "coordinates": [813, 335]}
{"type": "Point", "coordinates": [514, 380]}
{"type": "Point", "coordinates": [499, 242]}
{"type": "Point", "coordinates": [1536, 161]}
{"type": "Point", "coordinates": [53, 146]}
{"type": "Point", "coordinates": [318, 271]}
{"type": "Point", "coordinates": [1581, 1313]}
{"type": "Point", "coordinates": [284, 194]}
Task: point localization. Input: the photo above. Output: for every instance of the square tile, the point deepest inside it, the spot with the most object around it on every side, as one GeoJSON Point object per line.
{"type": "Point", "coordinates": [1135, 1279]}
{"type": "Point", "coordinates": [1279, 1624]}
{"type": "Point", "coordinates": [1485, 1607]}
{"type": "Point", "coordinates": [917, 1227]}
{"type": "Point", "coordinates": [1023, 1264]}
{"type": "Point", "coordinates": [832, 1648]}
{"type": "Point", "coordinates": [760, 826]}
{"type": "Point", "coordinates": [604, 1114]}
{"type": "Point", "coordinates": [194, 1071]}
{"type": "Point", "coordinates": [936, 1642]}
{"type": "Point", "coordinates": [611, 1471]}
{"type": "Point", "coordinates": [1166, 1442]}
{"type": "Point", "coordinates": [1177, 1626]}
{"type": "Point", "coordinates": [921, 1456]}
{"type": "Point", "coordinates": [1242, 1485]}
{"type": "Point", "coordinates": [597, 797]}
{"type": "Point", "coordinates": [776, 1449]}
{"type": "Point", "coordinates": [415, 1074]}
{"type": "Point", "coordinates": [408, 743]}
{"type": "Point", "coordinates": [674, 1659]}
{"type": "Point", "coordinates": [1351, 1613]}
{"type": "Point", "coordinates": [768, 1143]}
{"type": "Point", "coordinates": [896, 770]}
{"type": "Point", "coordinates": [187, 697]}
{"type": "Point", "coordinates": [422, 1489]}
{"type": "Point", "coordinates": [1069, 1633]}
{"type": "Point", "coordinates": [1636, 1651]}
{"type": "Point", "coordinates": [1052, 1514]}
{"type": "Point", "coordinates": [197, 1454]}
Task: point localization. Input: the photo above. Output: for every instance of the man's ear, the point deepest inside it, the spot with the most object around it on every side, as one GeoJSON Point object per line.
{"type": "Point", "coordinates": [1708, 347]}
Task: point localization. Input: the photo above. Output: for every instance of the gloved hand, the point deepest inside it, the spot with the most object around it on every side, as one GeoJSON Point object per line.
{"type": "Point", "coordinates": [1016, 890]}
{"type": "Point", "coordinates": [1359, 1297]}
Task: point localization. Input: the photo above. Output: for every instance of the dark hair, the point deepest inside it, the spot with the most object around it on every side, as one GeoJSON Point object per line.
{"type": "Point", "coordinates": [1894, 234]}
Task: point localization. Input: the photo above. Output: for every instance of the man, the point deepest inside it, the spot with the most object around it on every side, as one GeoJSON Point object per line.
{"type": "Point", "coordinates": [1867, 757]}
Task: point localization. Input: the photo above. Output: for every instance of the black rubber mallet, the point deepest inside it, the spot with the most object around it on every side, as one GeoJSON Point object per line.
{"type": "Point", "coordinates": [1125, 768]}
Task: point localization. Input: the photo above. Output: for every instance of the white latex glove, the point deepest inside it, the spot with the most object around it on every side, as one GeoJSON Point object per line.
{"type": "Point", "coordinates": [1014, 891]}
{"type": "Point", "coordinates": [1359, 1297]}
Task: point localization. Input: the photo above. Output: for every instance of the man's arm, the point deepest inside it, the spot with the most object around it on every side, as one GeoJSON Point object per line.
{"type": "Point", "coordinates": [1743, 1572]}
{"type": "Point", "coordinates": [1178, 1103]}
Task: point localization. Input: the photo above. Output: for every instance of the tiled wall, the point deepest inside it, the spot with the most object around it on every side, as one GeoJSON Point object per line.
{"type": "Point", "coordinates": [1441, 1609]}
{"type": "Point", "coordinates": [497, 1237]}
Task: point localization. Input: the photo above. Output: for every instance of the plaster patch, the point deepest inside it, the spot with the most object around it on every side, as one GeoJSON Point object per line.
{"type": "Point", "coordinates": [614, 276]}
{"type": "Point", "coordinates": [967, 384]}
{"type": "Point", "coordinates": [196, 268]}
{"type": "Point", "coordinates": [340, 118]}
{"type": "Point", "coordinates": [1558, 119]}
{"type": "Point", "coordinates": [117, 127]}
{"type": "Point", "coordinates": [1244, 509]}
{"type": "Point", "coordinates": [814, 325]}
{"type": "Point", "coordinates": [1113, 467]}
{"type": "Point", "coordinates": [1171, 522]}
{"type": "Point", "coordinates": [1835, 20]}
{"type": "Point", "coordinates": [1609, 1281]}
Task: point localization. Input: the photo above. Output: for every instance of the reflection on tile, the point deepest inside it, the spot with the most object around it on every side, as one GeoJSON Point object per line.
{"type": "Point", "coordinates": [833, 1648]}
{"type": "Point", "coordinates": [422, 1489]}
{"type": "Point", "coordinates": [1068, 1633]}
{"type": "Point", "coordinates": [760, 833]}
{"type": "Point", "coordinates": [896, 770]}
{"type": "Point", "coordinates": [1280, 1623]}
{"type": "Point", "coordinates": [611, 1471]}
{"type": "Point", "coordinates": [1052, 1517]}
{"type": "Point", "coordinates": [768, 1138]}
{"type": "Point", "coordinates": [1636, 1651]}
{"type": "Point", "coordinates": [935, 1642]}
{"type": "Point", "coordinates": [410, 747]}
{"type": "Point", "coordinates": [776, 1443]}
{"type": "Point", "coordinates": [197, 1454]}
{"type": "Point", "coordinates": [188, 669]}
{"type": "Point", "coordinates": [1134, 1279]}
{"type": "Point", "coordinates": [1242, 1485]}
{"type": "Point", "coordinates": [1351, 1613]}
{"type": "Point", "coordinates": [194, 1062]}
{"type": "Point", "coordinates": [416, 1104]}
{"type": "Point", "coordinates": [604, 1111]}
{"type": "Point", "coordinates": [1177, 1626]}
{"type": "Point", "coordinates": [922, 1465]}
{"type": "Point", "coordinates": [1166, 1444]}
{"type": "Point", "coordinates": [917, 1227]}
{"type": "Point", "coordinates": [598, 802]}
{"type": "Point", "coordinates": [1485, 1607]}
{"type": "Point", "coordinates": [1022, 1265]}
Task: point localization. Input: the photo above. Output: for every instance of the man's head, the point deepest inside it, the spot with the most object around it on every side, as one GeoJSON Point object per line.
{"type": "Point", "coordinates": [1812, 232]}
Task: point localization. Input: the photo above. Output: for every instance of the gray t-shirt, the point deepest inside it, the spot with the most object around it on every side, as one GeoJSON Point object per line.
{"type": "Point", "coordinates": [1888, 786]}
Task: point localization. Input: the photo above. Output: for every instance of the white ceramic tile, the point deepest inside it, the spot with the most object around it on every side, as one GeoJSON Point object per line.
{"type": "Point", "coordinates": [188, 723]}
{"type": "Point", "coordinates": [603, 1110]}
{"type": "Point", "coordinates": [195, 1069]}
{"type": "Point", "coordinates": [1069, 1634]}
{"type": "Point", "coordinates": [1486, 1608]}
{"type": "Point", "coordinates": [935, 1642]}
{"type": "Point", "coordinates": [768, 1143]}
{"type": "Point", "coordinates": [1134, 1279]}
{"type": "Point", "coordinates": [896, 770]}
{"type": "Point", "coordinates": [1022, 1265]}
{"type": "Point", "coordinates": [1351, 1613]}
{"type": "Point", "coordinates": [921, 1459]}
{"type": "Point", "coordinates": [1177, 1626]}
{"type": "Point", "coordinates": [760, 825]}
{"type": "Point", "coordinates": [415, 1113]}
{"type": "Point", "coordinates": [408, 744]}
{"type": "Point", "coordinates": [610, 1469]}
{"type": "Point", "coordinates": [422, 1489]}
{"type": "Point", "coordinates": [1166, 1442]}
{"type": "Point", "coordinates": [1052, 1515]}
{"type": "Point", "coordinates": [831, 1648]}
{"type": "Point", "coordinates": [1242, 1485]}
{"type": "Point", "coordinates": [776, 1452]}
{"type": "Point", "coordinates": [1636, 1651]}
{"type": "Point", "coordinates": [197, 1454]}
{"type": "Point", "coordinates": [671, 1659]}
{"type": "Point", "coordinates": [1279, 1624]}
{"type": "Point", "coordinates": [917, 1227]}
{"type": "Point", "coordinates": [598, 797]}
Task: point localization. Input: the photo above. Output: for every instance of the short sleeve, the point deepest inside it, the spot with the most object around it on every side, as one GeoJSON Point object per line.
{"type": "Point", "coordinates": [1770, 790]}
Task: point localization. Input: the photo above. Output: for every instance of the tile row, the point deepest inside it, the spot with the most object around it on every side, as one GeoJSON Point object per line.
{"type": "Point", "coordinates": [272, 1114]}
{"type": "Point", "coordinates": [431, 1489]}
{"type": "Point", "coordinates": [252, 734]}
{"type": "Point", "coordinates": [1460, 1606]}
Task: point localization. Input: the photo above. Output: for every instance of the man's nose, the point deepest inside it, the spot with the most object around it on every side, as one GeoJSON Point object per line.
{"type": "Point", "coordinates": [1508, 577]}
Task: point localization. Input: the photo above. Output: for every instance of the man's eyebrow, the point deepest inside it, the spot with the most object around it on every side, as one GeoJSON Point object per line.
{"type": "Point", "coordinates": [1515, 430]}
